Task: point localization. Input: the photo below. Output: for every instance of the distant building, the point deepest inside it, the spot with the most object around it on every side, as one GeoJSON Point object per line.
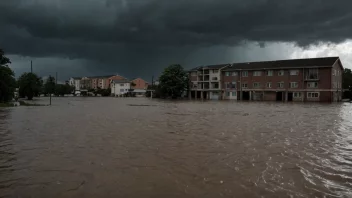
{"type": "Point", "coordinates": [92, 82]}
{"type": "Point", "coordinates": [120, 87]}
{"type": "Point", "coordinates": [314, 79]}
{"type": "Point", "coordinates": [140, 86]}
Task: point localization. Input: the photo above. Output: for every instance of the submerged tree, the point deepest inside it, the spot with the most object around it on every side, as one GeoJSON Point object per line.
{"type": "Point", "coordinates": [7, 79]}
{"type": "Point", "coordinates": [29, 85]}
{"type": "Point", "coordinates": [173, 81]}
{"type": "Point", "coordinates": [347, 82]}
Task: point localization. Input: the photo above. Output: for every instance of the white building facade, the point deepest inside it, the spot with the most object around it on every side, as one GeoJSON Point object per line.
{"type": "Point", "coordinates": [120, 87]}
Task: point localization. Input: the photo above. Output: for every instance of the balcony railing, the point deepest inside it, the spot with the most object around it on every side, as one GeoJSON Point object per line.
{"type": "Point", "coordinates": [312, 77]}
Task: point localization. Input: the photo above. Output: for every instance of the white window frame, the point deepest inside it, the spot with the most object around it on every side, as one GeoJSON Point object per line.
{"type": "Point", "coordinates": [297, 95]}
{"type": "Point", "coordinates": [244, 73]}
{"type": "Point", "coordinates": [269, 72]}
{"type": "Point", "coordinates": [234, 74]}
{"type": "Point", "coordinates": [233, 83]}
{"type": "Point", "coordinates": [309, 83]}
{"type": "Point", "coordinates": [257, 73]}
{"type": "Point", "coordinates": [269, 83]}
{"type": "Point", "coordinates": [244, 86]}
{"type": "Point", "coordinates": [256, 83]}
{"type": "Point", "coordinates": [313, 94]}
{"type": "Point", "coordinates": [279, 83]}
{"type": "Point", "coordinates": [294, 72]}
{"type": "Point", "coordinates": [293, 83]}
{"type": "Point", "coordinates": [281, 73]}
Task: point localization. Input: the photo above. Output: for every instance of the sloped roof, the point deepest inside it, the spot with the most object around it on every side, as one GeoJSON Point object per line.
{"type": "Point", "coordinates": [219, 66]}
{"type": "Point", "coordinates": [290, 63]}
{"type": "Point", "coordinates": [121, 81]}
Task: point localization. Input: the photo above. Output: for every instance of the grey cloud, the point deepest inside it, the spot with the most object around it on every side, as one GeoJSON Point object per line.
{"type": "Point", "coordinates": [143, 34]}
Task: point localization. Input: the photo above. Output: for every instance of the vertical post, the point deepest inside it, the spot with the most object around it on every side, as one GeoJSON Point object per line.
{"type": "Point", "coordinates": [56, 78]}
{"type": "Point", "coordinates": [31, 67]}
{"type": "Point", "coordinates": [50, 91]}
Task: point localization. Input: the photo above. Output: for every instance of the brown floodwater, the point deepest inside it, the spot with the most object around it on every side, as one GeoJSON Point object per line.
{"type": "Point", "coordinates": [111, 147]}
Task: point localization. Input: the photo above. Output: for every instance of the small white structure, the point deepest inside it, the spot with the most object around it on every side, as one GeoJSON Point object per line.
{"type": "Point", "coordinates": [76, 82]}
{"type": "Point", "coordinates": [120, 87]}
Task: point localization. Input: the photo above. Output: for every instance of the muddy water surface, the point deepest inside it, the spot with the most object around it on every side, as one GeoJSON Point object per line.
{"type": "Point", "coordinates": [112, 147]}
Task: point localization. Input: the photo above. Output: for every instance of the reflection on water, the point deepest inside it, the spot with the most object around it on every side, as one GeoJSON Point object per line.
{"type": "Point", "coordinates": [113, 147]}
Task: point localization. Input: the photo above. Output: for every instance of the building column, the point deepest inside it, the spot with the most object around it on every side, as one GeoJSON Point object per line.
{"type": "Point", "coordinates": [286, 96]}
{"type": "Point", "coordinates": [201, 95]}
{"type": "Point", "coordinates": [263, 99]}
{"type": "Point", "coordinates": [190, 95]}
{"type": "Point", "coordinates": [250, 95]}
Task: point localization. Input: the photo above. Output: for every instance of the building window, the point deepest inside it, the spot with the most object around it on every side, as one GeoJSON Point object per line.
{"type": "Point", "coordinates": [244, 73]}
{"type": "Point", "coordinates": [233, 85]}
{"type": "Point", "coordinates": [269, 73]}
{"type": "Point", "coordinates": [227, 73]}
{"type": "Point", "coordinates": [297, 95]}
{"type": "Point", "coordinates": [256, 85]}
{"type": "Point", "coordinates": [312, 74]}
{"type": "Point", "coordinates": [244, 85]}
{"type": "Point", "coordinates": [333, 85]}
{"type": "Point", "coordinates": [268, 85]}
{"type": "Point", "coordinates": [294, 72]}
{"type": "Point", "coordinates": [281, 73]}
{"type": "Point", "coordinates": [334, 72]}
{"type": "Point", "coordinates": [313, 94]}
{"type": "Point", "coordinates": [312, 85]}
{"type": "Point", "coordinates": [228, 93]}
{"type": "Point", "coordinates": [227, 85]}
{"type": "Point", "coordinates": [233, 93]}
{"type": "Point", "coordinates": [293, 84]}
{"type": "Point", "coordinates": [194, 73]}
{"type": "Point", "coordinates": [214, 78]}
{"type": "Point", "coordinates": [122, 90]}
{"type": "Point", "coordinates": [122, 85]}
{"type": "Point", "coordinates": [234, 73]}
{"type": "Point", "coordinates": [215, 71]}
{"type": "Point", "coordinates": [280, 85]}
{"type": "Point", "coordinates": [338, 85]}
{"type": "Point", "coordinates": [126, 89]}
{"type": "Point", "coordinates": [257, 73]}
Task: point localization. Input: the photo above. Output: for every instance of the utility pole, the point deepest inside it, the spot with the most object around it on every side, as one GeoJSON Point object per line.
{"type": "Point", "coordinates": [152, 87]}
{"type": "Point", "coordinates": [31, 67]}
{"type": "Point", "coordinates": [56, 79]}
{"type": "Point", "coordinates": [50, 90]}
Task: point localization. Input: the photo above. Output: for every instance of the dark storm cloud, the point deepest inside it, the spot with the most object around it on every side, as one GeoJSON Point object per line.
{"type": "Point", "coordinates": [139, 32]}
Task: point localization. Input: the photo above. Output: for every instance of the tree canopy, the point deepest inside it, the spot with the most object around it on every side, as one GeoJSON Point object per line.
{"type": "Point", "coordinates": [29, 85]}
{"type": "Point", "coordinates": [7, 79]}
{"type": "Point", "coordinates": [347, 79]}
{"type": "Point", "coordinates": [173, 81]}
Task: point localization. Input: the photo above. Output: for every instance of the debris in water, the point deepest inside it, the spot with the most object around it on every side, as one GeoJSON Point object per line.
{"type": "Point", "coordinates": [140, 105]}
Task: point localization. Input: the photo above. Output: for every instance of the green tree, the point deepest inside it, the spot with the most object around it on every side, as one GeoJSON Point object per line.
{"type": "Point", "coordinates": [30, 85]}
{"type": "Point", "coordinates": [347, 82]}
{"type": "Point", "coordinates": [173, 81]}
{"type": "Point", "coordinates": [49, 86]}
{"type": "Point", "coordinates": [7, 79]}
{"type": "Point", "coordinates": [63, 89]}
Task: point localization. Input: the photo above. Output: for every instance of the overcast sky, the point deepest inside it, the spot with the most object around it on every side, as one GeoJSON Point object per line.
{"type": "Point", "coordinates": [138, 38]}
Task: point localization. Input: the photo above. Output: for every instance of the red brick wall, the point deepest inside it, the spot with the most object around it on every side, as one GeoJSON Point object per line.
{"type": "Point", "coordinates": [269, 96]}
{"type": "Point", "coordinates": [140, 84]}
{"type": "Point", "coordinates": [325, 96]}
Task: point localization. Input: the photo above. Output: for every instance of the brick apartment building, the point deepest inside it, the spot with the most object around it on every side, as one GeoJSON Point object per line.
{"type": "Point", "coordinates": [314, 79]}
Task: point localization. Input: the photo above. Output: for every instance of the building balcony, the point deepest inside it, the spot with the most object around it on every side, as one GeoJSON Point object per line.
{"type": "Point", "coordinates": [311, 78]}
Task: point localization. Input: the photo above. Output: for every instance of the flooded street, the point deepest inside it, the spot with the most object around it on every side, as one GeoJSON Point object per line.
{"type": "Point", "coordinates": [111, 147]}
